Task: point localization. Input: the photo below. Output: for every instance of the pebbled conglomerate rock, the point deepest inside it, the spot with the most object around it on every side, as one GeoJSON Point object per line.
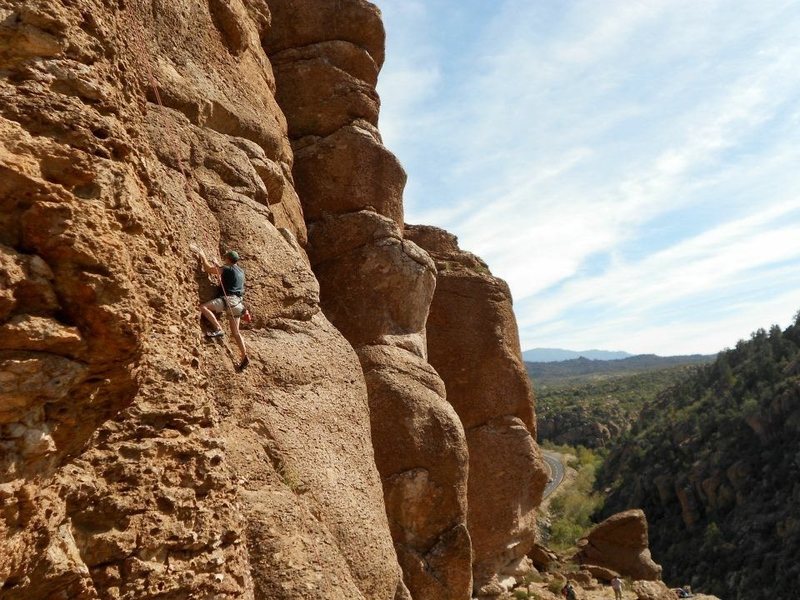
{"type": "Point", "coordinates": [136, 463]}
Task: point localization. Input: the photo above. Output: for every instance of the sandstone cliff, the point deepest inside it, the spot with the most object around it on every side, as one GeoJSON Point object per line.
{"type": "Point", "coordinates": [375, 286]}
{"type": "Point", "coordinates": [136, 463]}
{"type": "Point", "coordinates": [474, 345]}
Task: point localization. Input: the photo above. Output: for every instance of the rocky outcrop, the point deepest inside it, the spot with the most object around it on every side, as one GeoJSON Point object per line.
{"type": "Point", "coordinates": [590, 582]}
{"type": "Point", "coordinates": [473, 344]}
{"type": "Point", "coordinates": [376, 286]}
{"type": "Point", "coordinates": [652, 590]}
{"type": "Point", "coordinates": [576, 427]}
{"type": "Point", "coordinates": [542, 557]}
{"type": "Point", "coordinates": [620, 544]}
{"type": "Point", "coordinates": [135, 462]}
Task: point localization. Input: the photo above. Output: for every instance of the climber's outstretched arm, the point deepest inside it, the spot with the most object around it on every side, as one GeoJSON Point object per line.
{"type": "Point", "coordinates": [208, 266]}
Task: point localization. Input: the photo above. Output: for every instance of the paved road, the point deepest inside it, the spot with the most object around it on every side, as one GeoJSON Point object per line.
{"type": "Point", "coordinates": [556, 472]}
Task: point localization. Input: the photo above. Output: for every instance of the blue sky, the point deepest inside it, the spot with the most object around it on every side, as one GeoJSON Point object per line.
{"type": "Point", "coordinates": [631, 168]}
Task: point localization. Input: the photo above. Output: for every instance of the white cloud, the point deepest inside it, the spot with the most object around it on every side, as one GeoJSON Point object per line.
{"type": "Point", "coordinates": [570, 133]}
{"type": "Point", "coordinates": [710, 261]}
{"type": "Point", "coordinates": [684, 299]}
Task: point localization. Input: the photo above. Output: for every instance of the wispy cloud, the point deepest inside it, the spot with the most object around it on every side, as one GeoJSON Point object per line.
{"type": "Point", "coordinates": [626, 166]}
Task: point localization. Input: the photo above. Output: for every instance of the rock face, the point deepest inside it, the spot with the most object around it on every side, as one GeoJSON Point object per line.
{"type": "Point", "coordinates": [473, 344]}
{"type": "Point", "coordinates": [376, 286]}
{"type": "Point", "coordinates": [620, 543]}
{"type": "Point", "coordinates": [135, 462]}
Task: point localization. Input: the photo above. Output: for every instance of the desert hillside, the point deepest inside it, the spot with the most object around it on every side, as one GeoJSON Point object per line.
{"type": "Point", "coordinates": [593, 405]}
{"type": "Point", "coordinates": [714, 463]}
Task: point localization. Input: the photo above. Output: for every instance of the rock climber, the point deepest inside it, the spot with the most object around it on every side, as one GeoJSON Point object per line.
{"type": "Point", "coordinates": [569, 592]}
{"type": "Point", "coordinates": [616, 585]}
{"type": "Point", "coordinates": [230, 298]}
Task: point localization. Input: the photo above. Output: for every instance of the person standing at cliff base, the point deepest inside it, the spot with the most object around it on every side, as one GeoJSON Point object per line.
{"type": "Point", "coordinates": [230, 298]}
{"type": "Point", "coordinates": [569, 592]}
{"type": "Point", "coordinates": [616, 585]}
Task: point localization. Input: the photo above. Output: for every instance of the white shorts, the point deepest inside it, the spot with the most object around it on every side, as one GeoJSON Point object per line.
{"type": "Point", "coordinates": [235, 303]}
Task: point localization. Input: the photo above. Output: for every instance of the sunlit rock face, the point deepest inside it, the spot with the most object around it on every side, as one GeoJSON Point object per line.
{"type": "Point", "coordinates": [136, 463]}
{"type": "Point", "coordinates": [474, 345]}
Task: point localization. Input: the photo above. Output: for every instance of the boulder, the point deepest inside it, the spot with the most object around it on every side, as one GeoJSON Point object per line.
{"type": "Point", "coordinates": [620, 544]}
{"type": "Point", "coordinates": [542, 557]}
{"type": "Point", "coordinates": [600, 573]}
{"type": "Point", "coordinates": [583, 578]}
{"type": "Point", "coordinates": [519, 568]}
{"type": "Point", "coordinates": [652, 590]}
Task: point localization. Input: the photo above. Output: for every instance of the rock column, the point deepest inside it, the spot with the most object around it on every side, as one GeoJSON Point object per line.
{"type": "Point", "coordinates": [375, 286]}
{"type": "Point", "coordinates": [473, 343]}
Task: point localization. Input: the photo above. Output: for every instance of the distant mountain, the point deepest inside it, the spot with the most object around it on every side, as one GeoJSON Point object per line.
{"type": "Point", "coordinates": [558, 354]}
{"type": "Point", "coordinates": [544, 372]}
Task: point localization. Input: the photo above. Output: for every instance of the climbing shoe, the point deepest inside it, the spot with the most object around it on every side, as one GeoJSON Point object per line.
{"type": "Point", "coordinates": [243, 365]}
{"type": "Point", "coordinates": [214, 334]}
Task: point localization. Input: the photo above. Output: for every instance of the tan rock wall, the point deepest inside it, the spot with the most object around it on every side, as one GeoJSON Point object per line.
{"type": "Point", "coordinates": [376, 287]}
{"type": "Point", "coordinates": [473, 344]}
{"type": "Point", "coordinates": [135, 462]}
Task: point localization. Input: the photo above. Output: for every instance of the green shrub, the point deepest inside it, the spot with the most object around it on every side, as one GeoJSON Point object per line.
{"type": "Point", "coordinates": [572, 509]}
{"type": "Point", "coordinates": [703, 420]}
{"type": "Point", "coordinates": [532, 577]}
